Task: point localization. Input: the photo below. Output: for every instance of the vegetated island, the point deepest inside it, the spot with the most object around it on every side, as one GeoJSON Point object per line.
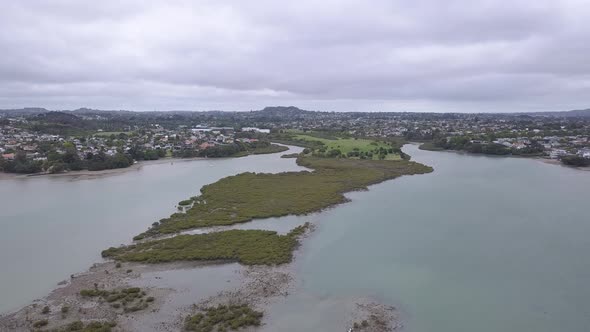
{"type": "Point", "coordinates": [248, 247]}
{"type": "Point", "coordinates": [243, 197]}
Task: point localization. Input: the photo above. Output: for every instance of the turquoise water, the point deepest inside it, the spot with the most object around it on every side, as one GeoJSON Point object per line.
{"type": "Point", "coordinates": [482, 244]}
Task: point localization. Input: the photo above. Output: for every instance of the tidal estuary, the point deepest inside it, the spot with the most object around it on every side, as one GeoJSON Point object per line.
{"type": "Point", "coordinates": [481, 244]}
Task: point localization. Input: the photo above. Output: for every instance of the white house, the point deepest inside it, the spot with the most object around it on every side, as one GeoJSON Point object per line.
{"type": "Point", "coordinates": [257, 130]}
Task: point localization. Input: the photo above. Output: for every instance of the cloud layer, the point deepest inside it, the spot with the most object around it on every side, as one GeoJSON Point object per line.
{"type": "Point", "coordinates": [420, 55]}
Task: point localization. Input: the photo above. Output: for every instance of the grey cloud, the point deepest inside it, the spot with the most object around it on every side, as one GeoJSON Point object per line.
{"type": "Point", "coordinates": [424, 55]}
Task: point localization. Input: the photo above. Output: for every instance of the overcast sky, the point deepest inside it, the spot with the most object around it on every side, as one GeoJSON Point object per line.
{"type": "Point", "coordinates": [365, 55]}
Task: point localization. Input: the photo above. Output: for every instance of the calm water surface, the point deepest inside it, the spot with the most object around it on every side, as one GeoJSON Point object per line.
{"type": "Point", "coordinates": [482, 244]}
{"type": "Point", "coordinates": [53, 227]}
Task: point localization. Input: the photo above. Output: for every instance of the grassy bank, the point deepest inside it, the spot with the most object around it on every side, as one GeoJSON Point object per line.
{"type": "Point", "coordinates": [248, 247]}
{"type": "Point", "coordinates": [246, 196]}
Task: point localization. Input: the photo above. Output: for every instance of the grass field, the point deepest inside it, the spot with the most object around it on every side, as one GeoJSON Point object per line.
{"type": "Point", "coordinates": [347, 146]}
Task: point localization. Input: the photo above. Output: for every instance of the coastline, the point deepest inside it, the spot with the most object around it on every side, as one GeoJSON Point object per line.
{"type": "Point", "coordinates": [97, 174]}
{"type": "Point", "coordinates": [538, 158]}
{"type": "Point", "coordinates": [110, 172]}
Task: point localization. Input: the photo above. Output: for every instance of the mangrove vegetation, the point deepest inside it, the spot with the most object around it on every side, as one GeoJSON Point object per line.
{"type": "Point", "coordinates": [127, 299]}
{"type": "Point", "coordinates": [223, 318]}
{"type": "Point", "coordinates": [243, 197]}
{"type": "Point", "coordinates": [248, 247]}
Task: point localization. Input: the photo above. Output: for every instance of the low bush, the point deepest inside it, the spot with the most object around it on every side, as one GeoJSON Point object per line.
{"type": "Point", "coordinates": [223, 318]}
{"type": "Point", "coordinates": [130, 299]}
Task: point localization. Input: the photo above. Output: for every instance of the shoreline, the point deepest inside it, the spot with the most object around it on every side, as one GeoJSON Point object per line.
{"type": "Point", "coordinates": [96, 174]}
{"type": "Point", "coordinates": [537, 158]}
{"type": "Point", "coordinates": [109, 172]}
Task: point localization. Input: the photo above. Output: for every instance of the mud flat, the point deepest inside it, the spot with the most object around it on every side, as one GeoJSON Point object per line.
{"type": "Point", "coordinates": [182, 289]}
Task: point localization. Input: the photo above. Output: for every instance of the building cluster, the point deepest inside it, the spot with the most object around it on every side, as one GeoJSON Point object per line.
{"type": "Point", "coordinates": [36, 146]}
{"type": "Point", "coordinates": [557, 136]}
{"type": "Point", "coordinates": [176, 131]}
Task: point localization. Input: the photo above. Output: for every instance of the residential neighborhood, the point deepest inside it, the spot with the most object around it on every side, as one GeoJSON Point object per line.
{"type": "Point", "coordinates": [43, 138]}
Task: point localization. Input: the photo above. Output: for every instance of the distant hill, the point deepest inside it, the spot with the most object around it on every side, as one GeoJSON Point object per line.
{"type": "Point", "coordinates": [282, 110]}
{"type": "Point", "coordinates": [561, 114]}
{"type": "Point", "coordinates": [267, 113]}
{"type": "Point", "coordinates": [24, 111]}
{"type": "Point", "coordinates": [60, 118]}
{"type": "Point", "coordinates": [577, 113]}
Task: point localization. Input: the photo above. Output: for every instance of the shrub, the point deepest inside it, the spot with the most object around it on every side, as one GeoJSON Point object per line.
{"type": "Point", "coordinates": [41, 323]}
{"type": "Point", "coordinates": [131, 299]}
{"type": "Point", "coordinates": [224, 317]}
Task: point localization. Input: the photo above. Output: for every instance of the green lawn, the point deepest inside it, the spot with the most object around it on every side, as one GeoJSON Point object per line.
{"type": "Point", "coordinates": [346, 145]}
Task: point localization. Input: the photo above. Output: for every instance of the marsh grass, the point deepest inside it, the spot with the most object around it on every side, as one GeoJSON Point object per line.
{"type": "Point", "coordinates": [248, 247]}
